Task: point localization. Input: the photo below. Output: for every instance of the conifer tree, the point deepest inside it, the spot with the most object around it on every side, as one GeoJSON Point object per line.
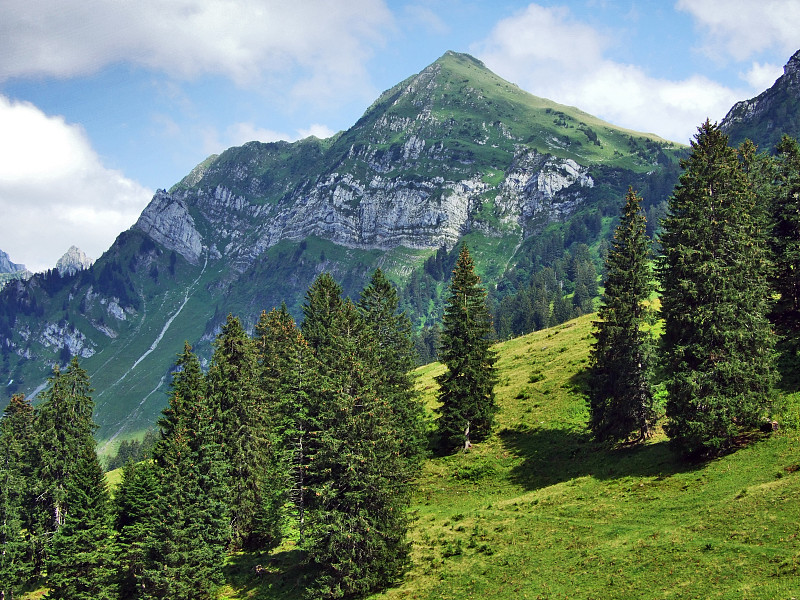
{"type": "Point", "coordinates": [253, 468]}
{"type": "Point", "coordinates": [80, 557]}
{"type": "Point", "coordinates": [621, 397]}
{"type": "Point", "coordinates": [286, 373]}
{"type": "Point", "coordinates": [16, 434]}
{"type": "Point", "coordinates": [189, 525]}
{"type": "Point", "coordinates": [466, 389]}
{"type": "Point", "coordinates": [73, 522]}
{"type": "Point", "coordinates": [136, 522]}
{"type": "Point", "coordinates": [785, 248]}
{"type": "Point", "coordinates": [357, 481]}
{"type": "Point", "coordinates": [393, 350]}
{"type": "Point", "coordinates": [718, 346]}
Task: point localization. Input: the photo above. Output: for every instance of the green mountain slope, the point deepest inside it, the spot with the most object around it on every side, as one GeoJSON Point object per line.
{"type": "Point", "coordinates": [773, 113]}
{"type": "Point", "coordinates": [452, 153]}
{"type": "Point", "coordinates": [542, 511]}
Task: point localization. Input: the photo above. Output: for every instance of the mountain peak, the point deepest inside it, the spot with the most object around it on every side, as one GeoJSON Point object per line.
{"type": "Point", "coordinates": [765, 118]}
{"type": "Point", "coordinates": [6, 266]}
{"type": "Point", "coordinates": [793, 66]}
{"type": "Point", "coordinates": [460, 57]}
{"type": "Point", "coordinates": [74, 260]}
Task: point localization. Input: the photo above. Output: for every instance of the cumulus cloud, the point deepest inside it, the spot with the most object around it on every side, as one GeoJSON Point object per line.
{"type": "Point", "coordinates": [742, 28]}
{"type": "Point", "coordinates": [54, 190]}
{"type": "Point", "coordinates": [317, 130]}
{"type": "Point", "coordinates": [244, 40]}
{"type": "Point", "coordinates": [529, 49]}
{"type": "Point", "coordinates": [762, 76]}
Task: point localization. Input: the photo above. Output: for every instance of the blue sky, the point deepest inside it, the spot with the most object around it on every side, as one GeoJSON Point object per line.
{"type": "Point", "coordinates": [102, 102]}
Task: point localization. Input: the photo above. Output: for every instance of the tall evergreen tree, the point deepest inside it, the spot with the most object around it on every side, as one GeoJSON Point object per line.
{"type": "Point", "coordinates": [467, 387]}
{"type": "Point", "coordinates": [286, 372]}
{"type": "Point", "coordinates": [253, 468]}
{"type": "Point", "coordinates": [16, 434]}
{"type": "Point", "coordinates": [73, 510]}
{"type": "Point", "coordinates": [357, 480]}
{"type": "Point", "coordinates": [785, 247]}
{"type": "Point", "coordinates": [718, 345]}
{"type": "Point", "coordinates": [136, 522]}
{"type": "Point", "coordinates": [621, 396]}
{"type": "Point", "coordinates": [188, 527]}
{"type": "Point", "coordinates": [393, 351]}
{"type": "Point", "coordinates": [80, 557]}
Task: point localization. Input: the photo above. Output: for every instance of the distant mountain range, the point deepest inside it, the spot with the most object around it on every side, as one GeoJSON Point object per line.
{"type": "Point", "coordinates": [453, 153]}
{"type": "Point", "coordinates": [6, 266]}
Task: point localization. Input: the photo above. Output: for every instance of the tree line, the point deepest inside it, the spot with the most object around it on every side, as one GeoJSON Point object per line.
{"type": "Point", "coordinates": [314, 430]}
{"type": "Point", "coordinates": [728, 278]}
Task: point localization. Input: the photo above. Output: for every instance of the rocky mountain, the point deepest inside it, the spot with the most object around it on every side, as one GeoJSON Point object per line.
{"type": "Point", "coordinates": [6, 266]}
{"type": "Point", "coordinates": [765, 118]}
{"type": "Point", "coordinates": [10, 271]}
{"type": "Point", "coordinates": [72, 261]}
{"type": "Point", "coordinates": [452, 153]}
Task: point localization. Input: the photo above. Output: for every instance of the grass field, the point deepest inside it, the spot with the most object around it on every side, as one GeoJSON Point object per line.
{"type": "Point", "coordinates": [541, 511]}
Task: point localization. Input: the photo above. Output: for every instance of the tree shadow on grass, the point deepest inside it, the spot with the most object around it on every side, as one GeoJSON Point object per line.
{"type": "Point", "coordinates": [278, 576]}
{"type": "Point", "coordinates": [551, 456]}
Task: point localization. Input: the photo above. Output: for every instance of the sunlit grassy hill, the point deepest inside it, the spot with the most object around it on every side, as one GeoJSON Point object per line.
{"type": "Point", "coordinates": [541, 511]}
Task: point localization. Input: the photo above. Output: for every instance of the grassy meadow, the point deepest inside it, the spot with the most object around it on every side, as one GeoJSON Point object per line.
{"type": "Point", "coordinates": [541, 511]}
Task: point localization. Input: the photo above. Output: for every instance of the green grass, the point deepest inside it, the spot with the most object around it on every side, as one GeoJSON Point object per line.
{"type": "Point", "coordinates": [542, 511]}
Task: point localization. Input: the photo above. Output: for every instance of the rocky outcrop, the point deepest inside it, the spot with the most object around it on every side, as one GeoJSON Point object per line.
{"type": "Point", "coordinates": [381, 213]}
{"type": "Point", "coordinates": [73, 261]}
{"type": "Point", "coordinates": [765, 118]}
{"type": "Point", "coordinates": [64, 335]}
{"type": "Point", "coordinates": [167, 220]}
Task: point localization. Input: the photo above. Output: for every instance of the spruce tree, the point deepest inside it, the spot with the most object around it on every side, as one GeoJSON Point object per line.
{"type": "Point", "coordinates": [393, 350]}
{"type": "Point", "coordinates": [80, 557]}
{"type": "Point", "coordinates": [785, 248]}
{"type": "Point", "coordinates": [247, 439]}
{"type": "Point", "coordinates": [181, 557]}
{"type": "Point", "coordinates": [73, 523]}
{"type": "Point", "coordinates": [16, 434]}
{"type": "Point", "coordinates": [717, 343]}
{"type": "Point", "coordinates": [357, 480]}
{"type": "Point", "coordinates": [466, 389]}
{"type": "Point", "coordinates": [286, 372]}
{"type": "Point", "coordinates": [136, 521]}
{"type": "Point", "coordinates": [621, 397]}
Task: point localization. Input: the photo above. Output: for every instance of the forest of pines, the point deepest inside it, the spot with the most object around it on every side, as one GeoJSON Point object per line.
{"type": "Point", "coordinates": [315, 431]}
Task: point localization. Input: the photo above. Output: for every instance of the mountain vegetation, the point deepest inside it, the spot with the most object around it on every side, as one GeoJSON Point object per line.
{"type": "Point", "coordinates": [604, 454]}
{"type": "Point", "coordinates": [453, 153]}
{"type": "Point", "coordinates": [621, 401]}
{"type": "Point", "coordinates": [466, 389]}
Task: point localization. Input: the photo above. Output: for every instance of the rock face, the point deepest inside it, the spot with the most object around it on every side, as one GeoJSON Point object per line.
{"type": "Point", "coordinates": [407, 174]}
{"type": "Point", "coordinates": [765, 118]}
{"type": "Point", "coordinates": [167, 220]}
{"type": "Point", "coordinates": [6, 266]}
{"type": "Point", "coordinates": [74, 260]}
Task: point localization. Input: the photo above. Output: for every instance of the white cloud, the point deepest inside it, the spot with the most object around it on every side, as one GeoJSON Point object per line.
{"type": "Point", "coordinates": [762, 76]}
{"type": "Point", "coordinates": [742, 28]}
{"type": "Point", "coordinates": [531, 49]}
{"type": "Point", "coordinates": [244, 40]}
{"type": "Point", "coordinates": [54, 191]}
{"type": "Point", "coordinates": [317, 130]}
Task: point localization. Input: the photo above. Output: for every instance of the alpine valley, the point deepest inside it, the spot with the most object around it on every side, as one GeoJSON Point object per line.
{"type": "Point", "coordinates": [452, 154]}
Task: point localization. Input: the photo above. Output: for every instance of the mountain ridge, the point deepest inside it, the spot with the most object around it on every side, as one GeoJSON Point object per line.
{"type": "Point", "coordinates": [452, 153]}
